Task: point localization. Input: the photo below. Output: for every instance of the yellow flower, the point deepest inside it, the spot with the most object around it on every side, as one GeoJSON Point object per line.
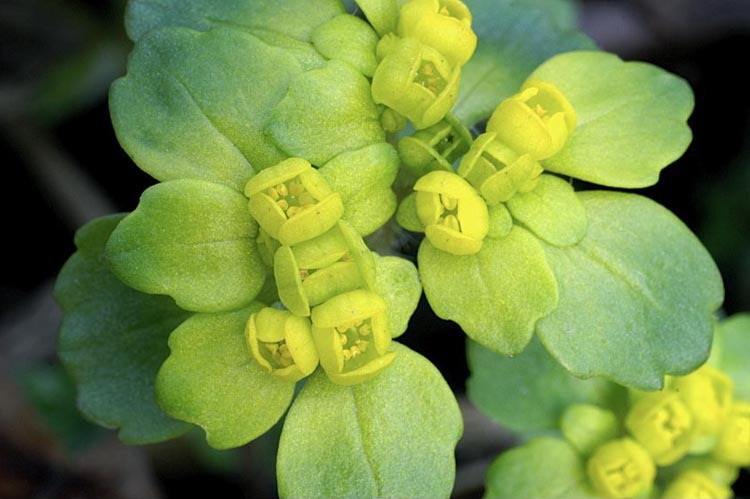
{"type": "Point", "coordinates": [455, 217]}
{"type": "Point", "coordinates": [282, 343]}
{"type": "Point", "coordinates": [352, 338]}
{"type": "Point", "coordinates": [621, 468]}
{"type": "Point", "coordinates": [292, 201]}
{"type": "Point", "coordinates": [538, 120]}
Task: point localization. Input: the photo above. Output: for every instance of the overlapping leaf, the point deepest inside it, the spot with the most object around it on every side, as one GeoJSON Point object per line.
{"type": "Point", "coordinates": [529, 393]}
{"type": "Point", "coordinates": [398, 284]}
{"type": "Point", "coordinates": [295, 19]}
{"type": "Point", "coordinates": [113, 340]}
{"type": "Point", "coordinates": [636, 295]}
{"type": "Point", "coordinates": [194, 241]}
{"type": "Point", "coordinates": [545, 467]}
{"type": "Point", "coordinates": [210, 379]}
{"type": "Point", "coordinates": [194, 105]}
{"type": "Point", "coordinates": [632, 118]}
{"type": "Point", "coordinates": [513, 39]}
{"type": "Point", "coordinates": [733, 339]}
{"type": "Point", "coordinates": [496, 295]}
{"type": "Point", "coordinates": [392, 436]}
{"type": "Point", "coordinates": [363, 178]}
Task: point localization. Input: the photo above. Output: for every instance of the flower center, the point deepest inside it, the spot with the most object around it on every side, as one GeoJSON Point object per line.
{"type": "Point", "coordinates": [278, 354]}
{"type": "Point", "coordinates": [429, 77]}
{"type": "Point", "coordinates": [291, 196]}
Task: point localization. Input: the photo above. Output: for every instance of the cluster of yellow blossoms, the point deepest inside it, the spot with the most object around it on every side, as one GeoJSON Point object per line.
{"type": "Point", "coordinates": [325, 277]}
{"type": "Point", "coordinates": [694, 426]}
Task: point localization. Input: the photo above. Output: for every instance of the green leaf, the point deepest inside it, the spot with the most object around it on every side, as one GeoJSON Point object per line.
{"type": "Point", "coordinates": [382, 14]}
{"type": "Point", "coordinates": [500, 221]}
{"type": "Point", "coordinates": [349, 39]}
{"type": "Point", "coordinates": [398, 284]}
{"type": "Point", "coordinates": [562, 12]}
{"type": "Point", "coordinates": [327, 111]}
{"type": "Point", "coordinates": [638, 284]}
{"type": "Point", "coordinates": [545, 467]}
{"type": "Point", "coordinates": [734, 337]}
{"type": "Point", "coordinates": [293, 18]}
{"type": "Point", "coordinates": [631, 118]}
{"type": "Point", "coordinates": [191, 240]}
{"type": "Point", "coordinates": [363, 178]}
{"type": "Point", "coordinates": [529, 393]}
{"type": "Point", "coordinates": [496, 295]}
{"type": "Point", "coordinates": [113, 340]}
{"type": "Point", "coordinates": [392, 436]}
{"type": "Point", "coordinates": [512, 41]}
{"type": "Point", "coordinates": [551, 211]}
{"type": "Point", "coordinates": [210, 379]}
{"type": "Point", "coordinates": [193, 105]}
{"type": "Point", "coordinates": [406, 214]}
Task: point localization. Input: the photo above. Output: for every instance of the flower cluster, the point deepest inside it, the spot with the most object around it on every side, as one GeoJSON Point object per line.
{"type": "Point", "coordinates": [325, 277]}
{"type": "Point", "coordinates": [694, 426]}
{"type": "Point", "coordinates": [420, 64]}
{"type": "Point", "coordinates": [451, 206]}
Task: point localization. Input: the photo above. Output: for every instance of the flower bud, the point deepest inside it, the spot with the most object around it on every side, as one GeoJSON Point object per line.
{"type": "Point", "coordinates": [292, 201]}
{"type": "Point", "coordinates": [313, 271]}
{"type": "Point", "coordinates": [733, 445]}
{"type": "Point", "coordinates": [444, 25]}
{"type": "Point", "coordinates": [498, 172]}
{"type": "Point", "coordinates": [707, 393]}
{"type": "Point", "coordinates": [282, 343]}
{"type": "Point", "coordinates": [455, 217]}
{"type": "Point", "coordinates": [661, 422]}
{"type": "Point", "coordinates": [435, 147]}
{"type": "Point", "coordinates": [352, 338]}
{"type": "Point", "coordinates": [588, 426]}
{"type": "Point", "coordinates": [695, 485]}
{"type": "Point", "coordinates": [538, 120]}
{"type": "Point", "coordinates": [621, 468]}
{"type": "Point", "coordinates": [417, 82]}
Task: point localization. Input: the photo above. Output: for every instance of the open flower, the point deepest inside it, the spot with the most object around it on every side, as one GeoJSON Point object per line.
{"type": "Point", "coordinates": [351, 335]}
{"type": "Point", "coordinates": [444, 25]}
{"type": "Point", "coordinates": [497, 171]}
{"type": "Point", "coordinates": [455, 218]}
{"type": "Point", "coordinates": [416, 81]}
{"type": "Point", "coordinates": [282, 343]}
{"type": "Point", "coordinates": [537, 120]}
{"type": "Point", "coordinates": [292, 201]}
{"type": "Point", "coordinates": [316, 270]}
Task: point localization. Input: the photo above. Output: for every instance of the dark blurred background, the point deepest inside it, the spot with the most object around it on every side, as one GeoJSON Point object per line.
{"type": "Point", "coordinates": [64, 167]}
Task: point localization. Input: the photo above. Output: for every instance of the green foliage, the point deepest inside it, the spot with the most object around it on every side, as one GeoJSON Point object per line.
{"type": "Point", "coordinates": [325, 112]}
{"type": "Point", "coordinates": [210, 379]}
{"type": "Point", "coordinates": [733, 339]}
{"type": "Point", "coordinates": [192, 240]}
{"type": "Point", "coordinates": [184, 110]}
{"type": "Point", "coordinates": [391, 436]}
{"type": "Point", "coordinates": [218, 93]}
{"type": "Point", "coordinates": [113, 340]}
{"type": "Point", "coordinates": [513, 39]}
{"type": "Point", "coordinates": [635, 286]}
{"type": "Point", "coordinates": [529, 393]}
{"type": "Point", "coordinates": [545, 467]}
{"type": "Point", "coordinates": [398, 284]}
{"type": "Point", "coordinates": [496, 295]}
{"type": "Point", "coordinates": [631, 118]}
{"type": "Point", "coordinates": [363, 178]}
{"type": "Point", "coordinates": [551, 211]}
{"type": "Point", "coordinates": [295, 19]}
